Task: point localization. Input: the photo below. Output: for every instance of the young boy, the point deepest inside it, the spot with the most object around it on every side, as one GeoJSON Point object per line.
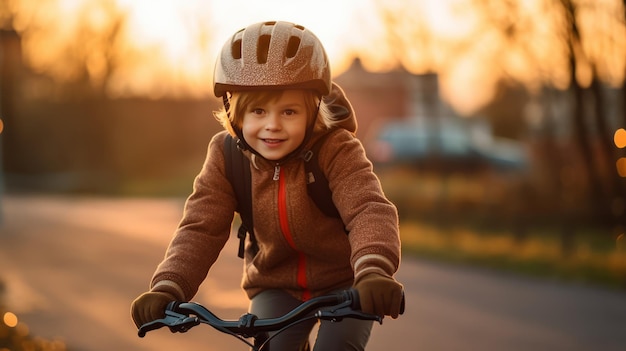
{"type": "Point", "coordinates": [274, 78]}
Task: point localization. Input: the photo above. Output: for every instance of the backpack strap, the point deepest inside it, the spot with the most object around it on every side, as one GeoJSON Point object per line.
{"type": "Point", "coordinates": [317, 184]}
{"type": "Point", "coordinates": [238, 164]}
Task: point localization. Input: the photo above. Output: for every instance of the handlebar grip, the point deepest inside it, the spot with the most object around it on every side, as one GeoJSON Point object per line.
{"type": "Point", "coordinates": [173, 306]}
{"type": "Point", "coordinates": [353, 294]}
{"type": "Point", "coordinates": [177, 322]}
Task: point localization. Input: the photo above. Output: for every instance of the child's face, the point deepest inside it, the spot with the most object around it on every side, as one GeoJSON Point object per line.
{"type": "Point", "coordinates": [276, 127]}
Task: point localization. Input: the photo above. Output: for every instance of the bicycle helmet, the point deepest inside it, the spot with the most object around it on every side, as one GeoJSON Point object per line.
{"type": "Point", "coordinates": [271, 55]}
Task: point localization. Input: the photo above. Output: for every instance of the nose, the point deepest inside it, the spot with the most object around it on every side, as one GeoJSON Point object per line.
{"type": "Point", "coordinates": [273, 121]}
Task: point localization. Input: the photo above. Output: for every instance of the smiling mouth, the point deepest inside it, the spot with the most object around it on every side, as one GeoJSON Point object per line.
{"type": "Point", "coordinates": [272, 141]}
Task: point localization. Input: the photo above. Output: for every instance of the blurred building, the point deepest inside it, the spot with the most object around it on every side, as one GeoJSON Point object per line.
{"type": "Point", "coordinates": [404, 122]}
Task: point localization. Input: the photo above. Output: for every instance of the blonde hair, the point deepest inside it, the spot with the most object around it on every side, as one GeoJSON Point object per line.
{"type": "Point", "coordinates": [232, 118]}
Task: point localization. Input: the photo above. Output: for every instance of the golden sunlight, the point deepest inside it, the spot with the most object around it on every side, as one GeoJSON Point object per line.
{"type": "Point", "coordinates": [168, 47]}
{"type": "Point", "coordinates": [314, 15]}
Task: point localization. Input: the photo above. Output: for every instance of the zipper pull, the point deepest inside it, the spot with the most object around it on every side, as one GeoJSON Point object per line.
{"type": "Point", "coordinates": [276, 172]}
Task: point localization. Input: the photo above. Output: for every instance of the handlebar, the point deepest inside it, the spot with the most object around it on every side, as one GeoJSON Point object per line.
{"type": "Point", "coordinates": [182, 316]}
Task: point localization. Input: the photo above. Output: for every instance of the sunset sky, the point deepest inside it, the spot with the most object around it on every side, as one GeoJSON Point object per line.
{"type": "Point", "coordinates": [168, 47]}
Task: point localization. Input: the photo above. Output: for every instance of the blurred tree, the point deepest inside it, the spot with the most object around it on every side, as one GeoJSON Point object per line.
{"type": "Point", "coordinates": [83, 53]}
{"type": "Point", "coordinates": [122, 48]}
{"type": "Point", "coordinates": [575, 46]}
{"type": "Point", "coordinates": [9, 57]}
{"type": "Point", "coordinates": [74, 112]}
{"type": "Point", "coordinates": [592, 54]}
{"type": "Point", "coordinates": [66, 132]}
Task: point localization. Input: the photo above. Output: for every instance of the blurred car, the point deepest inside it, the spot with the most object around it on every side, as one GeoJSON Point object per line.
{"type": "Point", "coordinates": [445, 144]}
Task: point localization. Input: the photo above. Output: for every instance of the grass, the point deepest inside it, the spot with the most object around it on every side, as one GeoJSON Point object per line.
{"type": "Point", "coordinates": [590, 259]}
{"type": "Point", "coordinates": [501, 222]}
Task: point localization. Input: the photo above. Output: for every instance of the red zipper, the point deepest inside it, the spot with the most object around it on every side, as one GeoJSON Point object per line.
{"type": "Point", "coordinates": [284, 226]}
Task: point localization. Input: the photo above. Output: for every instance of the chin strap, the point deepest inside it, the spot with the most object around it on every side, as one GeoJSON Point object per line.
{"type": "Point", "coordinates": [241, 142]}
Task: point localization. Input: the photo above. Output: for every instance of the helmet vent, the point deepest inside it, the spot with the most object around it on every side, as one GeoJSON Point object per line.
{"type": "Point", "coordinates": [263, 48]}
{"type": "Point", "coordinates": [279, 55]}
{"type": "Point", "coordinates": [236, 49]}
{"type": "Point", "coordinates": [292, 47]}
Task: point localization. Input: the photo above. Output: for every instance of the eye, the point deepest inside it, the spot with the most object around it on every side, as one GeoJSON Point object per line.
{"type": "Point", "coordinates": [290, 112]}
{"type": "Point", "coordinates": [257, 111]}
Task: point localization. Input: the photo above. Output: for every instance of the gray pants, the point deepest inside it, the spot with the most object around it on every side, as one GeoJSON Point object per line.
{"type": "Point", "coordinates": [349, 334]}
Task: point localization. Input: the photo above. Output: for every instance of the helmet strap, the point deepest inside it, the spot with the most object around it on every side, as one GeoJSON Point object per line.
{"type": "Point", "coordinates": [241, 142]}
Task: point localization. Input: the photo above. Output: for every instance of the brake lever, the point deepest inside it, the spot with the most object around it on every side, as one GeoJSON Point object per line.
{"type": "Point", "coordinates": [176, 322]}
{"type": "Point", "coordinates": [343, 311]}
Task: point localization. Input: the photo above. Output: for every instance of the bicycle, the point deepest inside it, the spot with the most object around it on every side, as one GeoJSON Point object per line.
{"type": "Point", "coordinates": [182, 316]}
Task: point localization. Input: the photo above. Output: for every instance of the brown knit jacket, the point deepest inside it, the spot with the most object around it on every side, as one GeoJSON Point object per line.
{"type": "Point", "coordinates": [301, 250]}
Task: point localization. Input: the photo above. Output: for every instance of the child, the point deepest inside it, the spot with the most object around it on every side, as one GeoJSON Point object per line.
{"type": "Point", "coordinates": [274, 78]}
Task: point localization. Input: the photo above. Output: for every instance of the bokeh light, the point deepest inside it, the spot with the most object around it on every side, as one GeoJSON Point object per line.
{"type": "Point", "coordinates": [621, 166]}
{"type": "Point", "coordinates": [620, 138]}
{"type": "Point", "coordinates": [10, 319]}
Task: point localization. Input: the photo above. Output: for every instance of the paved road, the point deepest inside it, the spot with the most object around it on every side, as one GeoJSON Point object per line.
{"type": "Point", "coordinates": [72, 266]}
